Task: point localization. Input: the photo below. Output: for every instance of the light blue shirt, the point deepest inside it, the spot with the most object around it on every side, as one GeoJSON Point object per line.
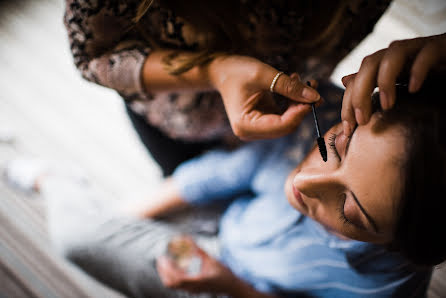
{"type": "Point", "coordinates": [274, 247]}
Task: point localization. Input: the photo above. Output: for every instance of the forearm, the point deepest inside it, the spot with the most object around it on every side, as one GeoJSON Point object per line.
{"type": "Point", "coordinates": [166, 200]}
{"type": "Point", "coordinates": [156, 77]}
{"type": "Point", "coordinates": [206, 77]}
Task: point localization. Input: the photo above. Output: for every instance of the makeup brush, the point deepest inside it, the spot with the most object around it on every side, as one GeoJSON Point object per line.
{"type": "Point", "coordinates": [320, 140]}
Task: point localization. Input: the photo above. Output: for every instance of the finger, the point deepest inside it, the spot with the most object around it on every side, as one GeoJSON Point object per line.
{"type": "Point", "coordinates": [167, 266]}
{"type": "Point", "coordinates": [259, 126]}
{"type": "Point", "coordinates": [425, 61]}
{"type": "Point", "coordinates": [294, 76]}
{"type": "Point", "coordinates": [163, 273]}
{"type": "Point", "coordinates": [313, 83]}
{"type": "Point", "coordinates": [320, 102]}
{"type": "Point", "coordinates": [294, 89]}
{"type": "Point", "coordinates": [197, 248]}
{"type": "Point", "coordinates": [347, 112]}
{"type": "Point", "coordinates": [347, 79]}
{"type": "Point", "coordinates": [201, 253]}
{"type": "Point", "coordinates": [170, 275]}
{"type": "Point", "coordinates": [174, 278]}
{"type": "Point", "coordinates": [363, 85]}
{"type": "Point", "coordinates": [391, 66]}
{"type": "Point", "coordinates": [292, 117]}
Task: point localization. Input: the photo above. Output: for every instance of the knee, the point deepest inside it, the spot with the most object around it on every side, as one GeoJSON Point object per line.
{"type": "Point", "coordinates": [73, 244]}
{"type": "Point", "coordinates": [72, 249]}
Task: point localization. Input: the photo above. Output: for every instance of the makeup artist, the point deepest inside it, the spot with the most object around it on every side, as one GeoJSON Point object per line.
{"type": "Point", "coordinates": [189, 71]}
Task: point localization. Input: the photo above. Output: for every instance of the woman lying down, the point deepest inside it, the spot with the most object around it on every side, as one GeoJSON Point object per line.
{"type": "Point", "coordinates": [363, 224]}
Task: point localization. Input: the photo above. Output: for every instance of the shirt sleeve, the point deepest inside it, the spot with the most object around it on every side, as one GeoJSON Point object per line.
{"type": "Point", "coordinates": [97, 33]}
{"type": "Point", "coordinates": [219, 174]}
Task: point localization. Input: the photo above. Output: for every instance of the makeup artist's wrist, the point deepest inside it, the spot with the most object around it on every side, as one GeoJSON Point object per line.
{"type": "Point", "coordinates": [217, 70]}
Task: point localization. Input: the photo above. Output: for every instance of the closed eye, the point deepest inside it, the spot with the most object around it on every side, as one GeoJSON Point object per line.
{"type": "Point", "coordinates": [343, 218]}
{"type": "Point", "coordinates": [341, 212]}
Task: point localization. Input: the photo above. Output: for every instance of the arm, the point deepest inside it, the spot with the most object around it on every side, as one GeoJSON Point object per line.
{"type": "Point", "coordinates": [243, 83]}
{"type": "Point", "coordinates": [100, 51]}
{"type": "Point", "coordinates": [215, 175]}
{"type": "Point", "coordinates": [166, 200]}
{"type": "Point", "coordinates": [220, 174]}
{"type": "Point", "coordinates": [97, 36]}
{"type": "Point", "coordinates": [104, 55]}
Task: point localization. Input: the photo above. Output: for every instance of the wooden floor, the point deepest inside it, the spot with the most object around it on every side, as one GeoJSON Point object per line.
{"type": "Point", "coordinates": [48, 111]}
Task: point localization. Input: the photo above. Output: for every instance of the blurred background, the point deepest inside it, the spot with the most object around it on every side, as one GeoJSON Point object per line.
{"type": "Point", "coordinates": [48, 111]}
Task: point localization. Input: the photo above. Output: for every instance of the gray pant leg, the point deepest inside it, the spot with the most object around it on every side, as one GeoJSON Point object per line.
{"type": "Point", "coordinates": [122, 253]}
{"type": "Point", "coordinates": [119, 252]}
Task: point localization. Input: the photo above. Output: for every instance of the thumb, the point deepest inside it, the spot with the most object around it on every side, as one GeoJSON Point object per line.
{"type": "Point", "coordinates": [293, 88]}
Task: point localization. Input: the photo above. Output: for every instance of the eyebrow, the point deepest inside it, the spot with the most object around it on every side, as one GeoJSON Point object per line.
{"type": "Point", "coordinates": [369, 218]}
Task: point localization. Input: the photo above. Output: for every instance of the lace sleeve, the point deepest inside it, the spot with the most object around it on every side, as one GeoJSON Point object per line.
{"type": "Point", "coordinates": [102, 49]}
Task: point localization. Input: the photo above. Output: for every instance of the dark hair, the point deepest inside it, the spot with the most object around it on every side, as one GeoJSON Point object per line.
{"type": "Point", "coordinates": [421, 214]}
{"type": "Point", "coordinates": [220, 22]}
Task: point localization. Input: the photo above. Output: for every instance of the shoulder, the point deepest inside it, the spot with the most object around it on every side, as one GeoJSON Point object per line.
{"type": "Point", "coordinates": [107, 8]}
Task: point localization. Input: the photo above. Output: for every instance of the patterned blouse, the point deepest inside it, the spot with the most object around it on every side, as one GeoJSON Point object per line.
{"type": "Point", "coordinates": [110, 50]}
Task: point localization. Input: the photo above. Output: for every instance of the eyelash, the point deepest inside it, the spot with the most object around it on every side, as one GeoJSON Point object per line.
{"type": "Point", "coordinates": [332, 144]}
{"type": "Point", "coordinates": [340, 208]}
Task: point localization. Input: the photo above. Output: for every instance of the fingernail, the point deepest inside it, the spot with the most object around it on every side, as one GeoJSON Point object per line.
{"type": "Point", "coordinates": [384, 100]}
{"type": "Point", "coordinates": [359, 116]}
{"type": "Point", "coordinates": [310, 94]}
{"type": "Point", "coordinates": [347, 129]}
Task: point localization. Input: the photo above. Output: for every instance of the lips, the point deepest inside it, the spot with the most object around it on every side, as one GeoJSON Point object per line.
{"type": "Point", "coordinates": [298, 197]}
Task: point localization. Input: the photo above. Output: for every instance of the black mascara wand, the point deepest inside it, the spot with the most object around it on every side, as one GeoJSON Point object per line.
{"type": "Point", "coordinates": [320, 140]}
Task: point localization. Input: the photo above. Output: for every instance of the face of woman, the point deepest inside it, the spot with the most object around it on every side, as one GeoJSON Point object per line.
{"type": "Point", "coordinates": [355, 193]}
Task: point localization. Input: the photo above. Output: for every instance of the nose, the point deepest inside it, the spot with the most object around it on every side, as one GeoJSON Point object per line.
{"type": "Point", "coordinates": [313, 182]}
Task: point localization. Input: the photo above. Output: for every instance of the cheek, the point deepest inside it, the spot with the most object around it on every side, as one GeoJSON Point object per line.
{"type": "Point", "coordinates": [326, 214]}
